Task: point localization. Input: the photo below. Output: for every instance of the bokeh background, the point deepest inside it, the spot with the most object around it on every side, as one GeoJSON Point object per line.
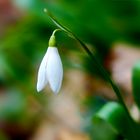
{"type": "Point", "coordinates": [110, 28]}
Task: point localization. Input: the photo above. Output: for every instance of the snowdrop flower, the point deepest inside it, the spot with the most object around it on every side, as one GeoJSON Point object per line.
{"type": "Point", "coordinates": [51, 69]}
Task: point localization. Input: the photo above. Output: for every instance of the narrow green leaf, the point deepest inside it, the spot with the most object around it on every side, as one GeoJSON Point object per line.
{"type": "Point", "coordinates": [136, 83]}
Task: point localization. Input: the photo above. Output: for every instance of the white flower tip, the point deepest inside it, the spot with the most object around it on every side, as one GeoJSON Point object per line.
{"type": "Point", "coordinates": [56, 88]}
{"type": "Point", "coordinates": [56, 91]}
{"type": "Point", "coordinates": [40, 85]}
{"type": "Point", "coordinates": [39, 88]}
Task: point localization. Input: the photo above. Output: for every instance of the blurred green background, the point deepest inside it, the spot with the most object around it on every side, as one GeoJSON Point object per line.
{"type": "Point", "coordinates": [24, 33]}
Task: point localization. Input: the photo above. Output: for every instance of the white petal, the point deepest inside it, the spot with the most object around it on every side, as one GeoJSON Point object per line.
{"type": "Point", "coordinates": [54, 70]}
{"type": "Point", "coordinates": [42, 77]}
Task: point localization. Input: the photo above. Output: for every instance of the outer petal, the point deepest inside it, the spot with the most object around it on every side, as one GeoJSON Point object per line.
{"type": "Point", "coordinates": [42, 78]}
{"type": "Point", "coordinates": [54, 70]}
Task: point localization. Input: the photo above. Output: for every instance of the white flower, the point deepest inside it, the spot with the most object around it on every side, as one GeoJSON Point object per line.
{"type": "Point", "coordinates": [50, 71]}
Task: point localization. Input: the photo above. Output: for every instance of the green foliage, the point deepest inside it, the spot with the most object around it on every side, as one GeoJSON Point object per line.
{"type": "Point", "coordinates": [13, 105]}
{"type": "Point", "coordinates": [19, 42]}
{"type": "Point", "coordinates": [21, 49]}
{"type": "Point", "coordinates": [136, 83]}
{"type": "Point", "coordinates": [103, 131]}
{"type": "Point", "coordinates": [111, 119]}
{"type": "Point", "coordinates": [97, 22]}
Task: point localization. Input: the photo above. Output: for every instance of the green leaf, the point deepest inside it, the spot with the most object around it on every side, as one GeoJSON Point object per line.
{"type": "Point", "coordinates": [103, 130]}
{"type": "Point", "coordinates": [112, 122]}
{"type": "Point", "coordinates": [136, 83]}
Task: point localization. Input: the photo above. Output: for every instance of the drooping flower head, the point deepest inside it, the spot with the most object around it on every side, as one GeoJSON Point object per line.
{"type": "Point", "coordinates": [51, 69]}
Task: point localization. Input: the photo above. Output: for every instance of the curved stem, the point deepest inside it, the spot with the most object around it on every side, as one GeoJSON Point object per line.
{"type": "Point", "coordinates": [101, 69]}
{"type": "Point", "coordinates": [56, 30]}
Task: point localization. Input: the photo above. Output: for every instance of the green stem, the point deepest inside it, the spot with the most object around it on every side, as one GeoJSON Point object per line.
{"type": "Point", "coordinates": [56, 30]}
{"type": "Point", "coordinates": [52, 41]}
{"type": "Point", "coordinates": [102, 71]}
{"type": "Point", "coordinates": [114, 86]}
